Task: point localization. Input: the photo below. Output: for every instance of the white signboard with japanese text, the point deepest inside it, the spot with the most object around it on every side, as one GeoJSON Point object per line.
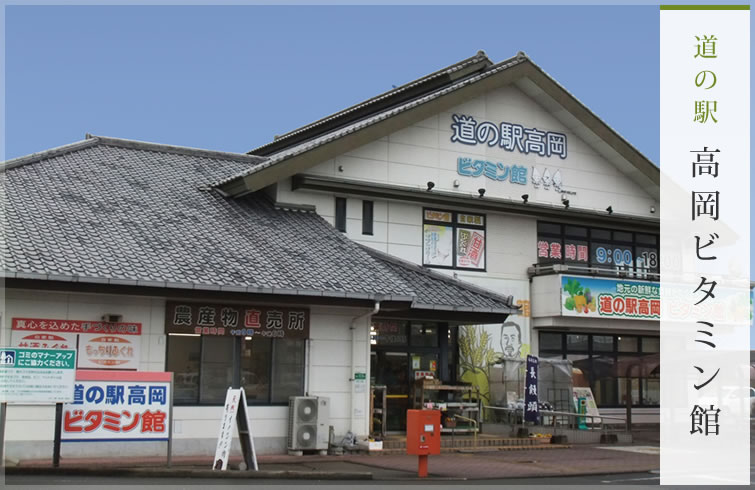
{"type": "Point", "coordinates": [705, 413]}
{"type": "Point", "coordinates": [101, 345]}
{"type": "Point", "coordinates": [118, 406]}
{"type": "Point", "coordinates": [32, 376]}
{"type": "Point", "coordinates": [109, 351]}
{"type": "Point", "coordinates": [235, 413]}
{"type": "Point", "coordinates": [42, 340]}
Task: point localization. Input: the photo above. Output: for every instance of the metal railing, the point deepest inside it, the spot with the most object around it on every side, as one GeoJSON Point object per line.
{"type": "Point", "coordinates": [453, 429]}
{"type": "Point", "coordinates": [592, 270]}
{"type": "Point", "coordinates": [518, 418]}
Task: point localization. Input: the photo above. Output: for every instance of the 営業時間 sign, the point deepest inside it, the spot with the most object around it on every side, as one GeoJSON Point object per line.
{"type": "Point", "coordinates": [215, 319]}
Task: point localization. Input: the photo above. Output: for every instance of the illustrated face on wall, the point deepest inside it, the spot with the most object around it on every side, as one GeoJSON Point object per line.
{"type": "Point", "coordinates": [511, 340]}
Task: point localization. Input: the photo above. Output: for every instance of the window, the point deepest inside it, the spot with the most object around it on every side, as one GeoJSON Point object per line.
{"type": "Point", "coordinates": [627, 344]}
{"type": "Point", "coordinates": [424, 335]}
{"type": "Point", "coordinates": [550, 341]}
{"type": "Point", "coordinates": [341, 214]}
{"type": "Point", "coordinates": [602, 343]}
{"type": "Point", "coordinates": [216, 369]}
{"type": "Point", "coordinates": [453, 240]}
{"type": "Point", "coordinates": [205, 366]}
{"type": "Point", "coordinates": [183, 362]}
{"type": "Point", "coordinates": [288, 370]}
{"type": "Point", "coordinates": [651, 344]}
{"type": "Point", "coordinates": [611, 364]}
{"type": "Point", "coordinates": [597, 247]}
{"type": "Point", "coordinates": [256, 355]}
{"type": "Point", "coordinates": [576, 343]}
{"type": "Point", "coordinates": [367, 217]}
{"type": "Point", "coordinates": [388, 333]}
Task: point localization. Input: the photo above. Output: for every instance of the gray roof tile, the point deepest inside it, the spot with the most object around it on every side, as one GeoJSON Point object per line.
{"type": "Point", "coordinates": [480, 56]}
{"type": "Point", "coordinates": [322, 139]}
{"type": "Point", "coordinates": [123, 212]}
{"type": "Point", "coordinates": [435, 290]}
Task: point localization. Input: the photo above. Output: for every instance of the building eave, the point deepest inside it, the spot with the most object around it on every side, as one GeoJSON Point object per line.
{"type": "Point", "coordinates": [445, 198]}
{"type": "Point", "coordinates": [171, 290]}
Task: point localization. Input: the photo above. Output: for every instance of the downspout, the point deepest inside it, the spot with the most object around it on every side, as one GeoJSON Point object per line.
{"type": "Point", "coordinates": [354, 322]}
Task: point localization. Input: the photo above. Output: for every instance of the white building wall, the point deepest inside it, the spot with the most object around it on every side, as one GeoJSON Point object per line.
{"type": "Point", "coordinates": [424, 152]}
{"type": "Point", "coordinates": [30, 429]}
{"type": "Point", "coordinates": [330, 365]}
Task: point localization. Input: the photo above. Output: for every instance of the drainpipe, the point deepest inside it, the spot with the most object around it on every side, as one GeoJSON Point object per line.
{"type": "Point", "coordinates": [356, 319]}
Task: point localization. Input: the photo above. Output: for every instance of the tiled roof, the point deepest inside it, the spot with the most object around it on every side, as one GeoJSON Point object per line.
{"type": "Point", "coordinates": [437, 291]}
{"type": "Point", "coordinates": [375, 110]}
{"type": "Point", "coordinates": [114, 211]}
{"type": "Point", "coordinates": [392, 96]}
{"type": "Point", "coordinates": [373, 119]}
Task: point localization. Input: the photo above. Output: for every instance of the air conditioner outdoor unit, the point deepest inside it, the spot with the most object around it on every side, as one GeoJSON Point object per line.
{"type": "Point", "coordinates": [308, 422]}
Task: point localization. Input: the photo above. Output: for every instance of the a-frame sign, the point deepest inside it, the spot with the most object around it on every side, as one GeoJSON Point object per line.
{"type": "Point", "coordinates": [235, 408]}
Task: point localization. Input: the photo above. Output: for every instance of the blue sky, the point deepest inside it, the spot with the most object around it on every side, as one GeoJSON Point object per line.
{"type": "Point", "coordinates": [230, 78]}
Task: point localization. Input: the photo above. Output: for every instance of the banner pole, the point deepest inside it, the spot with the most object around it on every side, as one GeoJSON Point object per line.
{"type": "Point", "coordinates": [3, 410]}
{"type": "Point", "coordinates": [56, 441]}
{"type": "Point", "coordinates": [170, 424]}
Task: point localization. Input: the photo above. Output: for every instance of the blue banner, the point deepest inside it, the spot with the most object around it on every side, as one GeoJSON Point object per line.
{"type": "Point", "coordinates": [531, 409]}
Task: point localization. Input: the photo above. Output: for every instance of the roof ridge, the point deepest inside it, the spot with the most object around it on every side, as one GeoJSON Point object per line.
{"type": "Point", "coordinates": [508, 300]}
{"type": "Point", "coordinates": [480, 56]}
{"type": "Point", "coordinates": [52, 152]}
{"type": "Point", "coordinates": [182, 150]}
{"type": "Point", "coordinates": [91, 140]}
{"type": "Point", "coordinates": [406, 105]}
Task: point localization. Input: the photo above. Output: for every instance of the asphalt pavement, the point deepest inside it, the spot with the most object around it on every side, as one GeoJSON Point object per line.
{"type": "Point", "coordinates": [40, 481]}
{"type": "Point", "coordinates": [481, 466]}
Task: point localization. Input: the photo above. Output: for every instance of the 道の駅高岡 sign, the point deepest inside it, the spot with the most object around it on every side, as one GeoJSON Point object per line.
{"type": "Point", "coordinates": [609, 298]}
{"type": "Point", "coordinates": [119, 406]}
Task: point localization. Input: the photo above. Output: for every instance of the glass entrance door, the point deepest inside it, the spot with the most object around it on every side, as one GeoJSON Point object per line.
{"type": "Point", "coordinates": [403, 351]}
{"type": "Point", "coordinates": [391, 369]}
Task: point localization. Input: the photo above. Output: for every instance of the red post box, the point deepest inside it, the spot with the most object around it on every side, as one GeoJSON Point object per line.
{"type": "Point", "coordinates": [422, 435]}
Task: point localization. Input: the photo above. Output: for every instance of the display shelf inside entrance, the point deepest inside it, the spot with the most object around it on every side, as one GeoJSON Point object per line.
{"type": "Point", "coordinates": [452, 400]}
{"type": "Point", "coordinates": [378, 409]}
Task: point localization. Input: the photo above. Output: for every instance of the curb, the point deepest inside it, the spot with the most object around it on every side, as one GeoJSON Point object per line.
{"type": "Point", "coordinates": [190, 473]}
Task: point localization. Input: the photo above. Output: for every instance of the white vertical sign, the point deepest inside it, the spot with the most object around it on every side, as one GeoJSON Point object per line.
{"type": "Point", "coordinates": [705, 165]}
{"type": "Point", "coordinates": [235, 407]}
{"type": "Point", "coordinates": [227, 423]}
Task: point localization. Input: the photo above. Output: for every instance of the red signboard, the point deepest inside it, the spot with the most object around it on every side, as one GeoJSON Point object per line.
{"type": "Point", "coordinates": [101, 345]}
{"type": "Point", "coordinates": [76, 326]}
